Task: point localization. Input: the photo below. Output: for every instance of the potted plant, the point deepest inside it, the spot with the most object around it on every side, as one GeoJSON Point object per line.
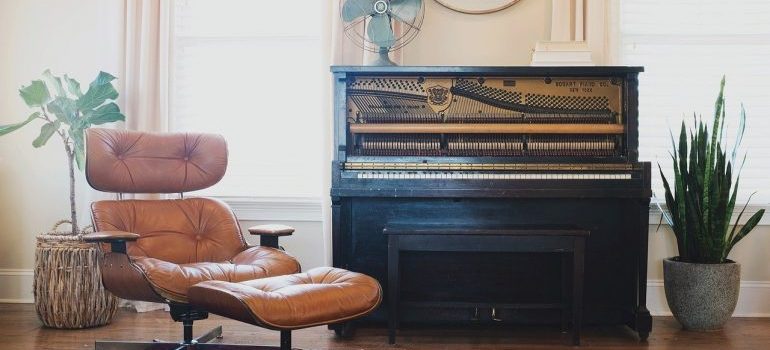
{"type": "Point", "coordinates": [67, 283]}
{"type": "Point", "coordinates": [702, 284]}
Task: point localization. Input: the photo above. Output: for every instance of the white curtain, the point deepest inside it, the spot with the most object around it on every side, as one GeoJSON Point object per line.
{"type": "Point", "coordinates": [148, 49]}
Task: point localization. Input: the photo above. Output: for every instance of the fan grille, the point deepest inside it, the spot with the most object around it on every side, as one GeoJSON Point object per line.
{"type": "Point", "coordinates": [405, 31]}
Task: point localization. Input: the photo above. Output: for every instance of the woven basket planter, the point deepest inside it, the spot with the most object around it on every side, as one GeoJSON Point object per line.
{"type": "Point", "coordinates": [68, 283]}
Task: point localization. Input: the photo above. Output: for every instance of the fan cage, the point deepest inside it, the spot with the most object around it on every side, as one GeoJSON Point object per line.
{"type": "Point", "coordinates": [361, 41]}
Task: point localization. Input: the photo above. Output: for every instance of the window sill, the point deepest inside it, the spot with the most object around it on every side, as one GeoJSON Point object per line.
{"type": "Point", "coordinates": [275, 208]}
{"type": "Point", "coordinates": [310, 209]}
{"type": "Point", "coordinates": [655, 214]}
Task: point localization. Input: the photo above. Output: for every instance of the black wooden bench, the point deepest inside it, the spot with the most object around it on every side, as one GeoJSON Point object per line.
{"type": "Point", "coordinates": [512, 239]}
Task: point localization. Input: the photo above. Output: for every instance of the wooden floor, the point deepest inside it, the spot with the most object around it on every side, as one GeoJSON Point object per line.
{"type": "Point", "coordinates": [20, 329]}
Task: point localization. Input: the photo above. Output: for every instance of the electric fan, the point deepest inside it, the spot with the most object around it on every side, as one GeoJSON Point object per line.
{"type": "Point", "coordinates": [379, 17]}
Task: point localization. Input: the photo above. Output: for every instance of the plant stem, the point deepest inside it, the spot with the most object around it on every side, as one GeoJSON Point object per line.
{"type": "Point", "coordinates": [70, 163]}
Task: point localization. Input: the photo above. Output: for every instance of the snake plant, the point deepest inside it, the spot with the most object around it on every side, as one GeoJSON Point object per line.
{"type": "Point", "coordinates": [701, 203]}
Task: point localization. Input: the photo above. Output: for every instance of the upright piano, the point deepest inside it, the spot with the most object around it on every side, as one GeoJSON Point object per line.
{"type": "Point", "coordinates": [493, 146]}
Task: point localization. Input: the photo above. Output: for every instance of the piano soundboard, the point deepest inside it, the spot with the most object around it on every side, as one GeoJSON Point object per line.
{"type": "Point", "coordinates": [516, 117]}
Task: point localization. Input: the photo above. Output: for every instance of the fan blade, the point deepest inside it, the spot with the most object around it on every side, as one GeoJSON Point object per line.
{"type": "Point", "coordinates": [380, 32]}
{"type": "Point", "coordinates": [353, 9]}
{"type": "Point", "coordinates": [406, 10]}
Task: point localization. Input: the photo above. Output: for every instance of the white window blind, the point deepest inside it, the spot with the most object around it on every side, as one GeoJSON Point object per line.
{"type": "Point", "coordinates": [686, 46]}
{"type": "Point", "coordinates": [250, 70]}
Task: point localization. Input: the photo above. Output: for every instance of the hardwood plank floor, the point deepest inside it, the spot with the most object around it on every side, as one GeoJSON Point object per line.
{"type": "Point", "coordinates": [20, 329]}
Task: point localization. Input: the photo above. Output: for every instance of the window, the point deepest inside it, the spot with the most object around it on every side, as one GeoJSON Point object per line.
{"type": "Point", "coordinates": [251, 71]}
{"type": "Point", "coordinates": [686, 46]}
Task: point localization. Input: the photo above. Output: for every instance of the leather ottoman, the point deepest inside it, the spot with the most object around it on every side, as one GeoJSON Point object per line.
{"type": "Point", "coordinates": [320, 296]}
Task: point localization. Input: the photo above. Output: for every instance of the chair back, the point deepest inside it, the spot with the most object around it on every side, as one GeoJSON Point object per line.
{"type": "Point", "coordinates": [174, 230]}
{"type": "Point", "coordinates": [125, 161]}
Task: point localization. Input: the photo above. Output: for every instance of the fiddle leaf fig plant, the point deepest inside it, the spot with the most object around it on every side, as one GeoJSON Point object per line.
{"type": "Point", "coordinates": [65, 110]}
{"type": "Point", "coordinates": [702, 198]}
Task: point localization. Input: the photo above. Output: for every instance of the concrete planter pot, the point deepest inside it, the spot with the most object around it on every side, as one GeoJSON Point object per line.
{"type": "Point", "coordinates": [702, 297]}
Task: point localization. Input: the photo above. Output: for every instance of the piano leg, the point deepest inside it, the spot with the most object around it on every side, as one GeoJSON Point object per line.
{"type": "Point", "coordinates": [641, 320]}
{"type": "Point", "coordinates": [393, 287]}
{"type": "Point", "coordinates": [344, 330]}
{"type": "Point", "coordinates": [566, 305]}
{"type": "Point", "coordinates": [643, 323]}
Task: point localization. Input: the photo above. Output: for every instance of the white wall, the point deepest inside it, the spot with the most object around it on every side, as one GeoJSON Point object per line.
{"type": "Point", "coordinates": [82, 39]}
{"type": "Point", "coordinates": [306, 244]}
{"type": "Point", "coordinates": [501, 38]}
{"type": "Point", "coordinates": [74, 37]}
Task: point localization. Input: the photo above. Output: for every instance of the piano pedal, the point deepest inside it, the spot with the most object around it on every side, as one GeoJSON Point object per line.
{"type": "Point", "coordinates": [494, 315]}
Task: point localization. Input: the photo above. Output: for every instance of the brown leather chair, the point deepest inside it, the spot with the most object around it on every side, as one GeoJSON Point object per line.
{"type": "Point", "coordinates": [155, 250]}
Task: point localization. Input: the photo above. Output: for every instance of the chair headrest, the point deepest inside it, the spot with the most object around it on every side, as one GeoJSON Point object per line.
{"type": "Point", "coordinates": [142, 162]}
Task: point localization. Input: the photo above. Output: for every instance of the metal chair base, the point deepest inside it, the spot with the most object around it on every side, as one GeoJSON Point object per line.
{"type": "Point", "coordinates": [200, 343]}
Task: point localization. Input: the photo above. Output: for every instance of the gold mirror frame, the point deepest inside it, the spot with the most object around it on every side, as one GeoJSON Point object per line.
{"type": "Point", "coordinates": [452, 5]}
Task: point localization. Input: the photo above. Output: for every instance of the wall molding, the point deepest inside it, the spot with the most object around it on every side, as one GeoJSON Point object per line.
{"type": "Point", "coordinates": [275, 209]}
{"type": "Point", "coordinates": [753, 300]}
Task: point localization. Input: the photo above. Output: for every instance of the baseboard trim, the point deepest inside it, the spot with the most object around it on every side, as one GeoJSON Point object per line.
{"type": "Point", "coordinates": [753, 301]}
{"type": "Point", "coordinates": [16, 272]}
{"type": "Point", "coordinates": [17, 301]}
{"type": "Point", "coordinates": [16, 286]}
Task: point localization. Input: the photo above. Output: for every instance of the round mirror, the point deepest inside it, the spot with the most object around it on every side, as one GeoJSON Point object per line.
{"type": "Point", "coordinates": [477, 7]}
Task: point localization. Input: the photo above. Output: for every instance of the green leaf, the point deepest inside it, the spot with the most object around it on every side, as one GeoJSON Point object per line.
{"type": "Point", "coordinates": [73, 86]}
{"type": "Point", "coordinates": [102, 79]}
{"type": "Point", "coordinates": [51, 80]}
{"type": "Point", "coordinates": [98, 92]}
{"type": "Point", "coordinates": [35, 94]}
{"type": "Point", "coordinates": [750, 224]}
{"type": "Point", "coordinates": [64, 108]}
{"type": "Point", "coordinates": [79, 148]}
{"type": "Point", "coordinates": [7, 129]}
{"type": "Point", "coordinates": [45, 133]}
{"type": "Point", "coordinates": [106, 114]}
{"type": "Point", "coordinates": [719, 113]}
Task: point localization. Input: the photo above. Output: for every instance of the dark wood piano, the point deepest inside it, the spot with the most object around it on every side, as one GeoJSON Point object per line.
{"type": "Point", "coordinates": [481, 146]}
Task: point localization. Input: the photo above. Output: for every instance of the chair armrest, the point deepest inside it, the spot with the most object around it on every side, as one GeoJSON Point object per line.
{"type": "Point", "coordinates": [110, 236]}
{"type": "Point", "coordinates": [268, 234]}
{"type": "Point", "coordinates": [116, 239]}
{"type": "Point", "coordinates": [271, 230]}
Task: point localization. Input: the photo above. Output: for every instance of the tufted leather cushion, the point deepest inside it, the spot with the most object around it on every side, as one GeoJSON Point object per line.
{"type": "Point", "coordinates": [323, 295]}
{"type": "Point", "coordinates": [172, 281]}
{"type": "Point", "coordinates": [179, 231]}
{"type": "Point", "coordinates": [140, 162]}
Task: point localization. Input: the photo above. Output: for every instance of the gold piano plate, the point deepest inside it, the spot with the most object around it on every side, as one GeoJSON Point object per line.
{"type": "Point", "coordinates": [485, 116]}
{"type": "Point", "coordinates": [484, 100]}
{"type": "Point", "coordinates": [447, 128]}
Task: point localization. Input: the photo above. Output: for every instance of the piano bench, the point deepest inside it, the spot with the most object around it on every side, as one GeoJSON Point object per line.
{"type": "Point", "coordinates": [511, 239]}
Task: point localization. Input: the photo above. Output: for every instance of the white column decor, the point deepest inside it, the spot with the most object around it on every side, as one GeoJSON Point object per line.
{"type": "Point", "coordinates": [567, 46]}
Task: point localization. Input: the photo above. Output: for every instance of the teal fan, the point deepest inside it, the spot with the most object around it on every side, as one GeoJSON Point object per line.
{"type": "Point", "coordinates": [370, 24]}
